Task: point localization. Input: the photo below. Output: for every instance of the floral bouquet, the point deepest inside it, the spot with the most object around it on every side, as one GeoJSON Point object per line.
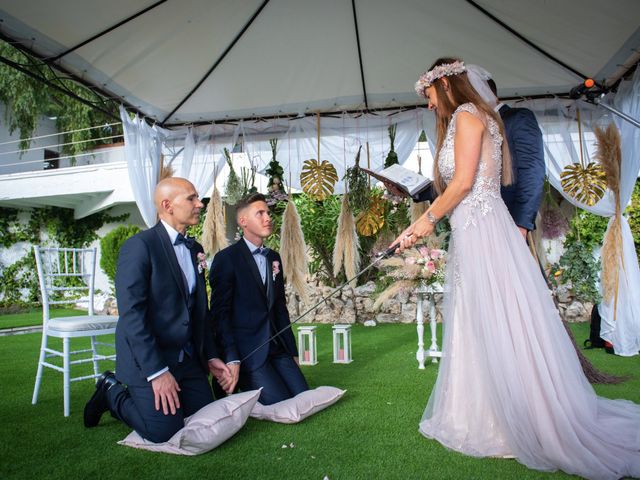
{"type": "Point", "coordinates": [422, 264]}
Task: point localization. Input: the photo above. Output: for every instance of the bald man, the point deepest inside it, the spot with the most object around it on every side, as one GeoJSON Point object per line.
{"type": "Point", "coordinates": [164, 340]}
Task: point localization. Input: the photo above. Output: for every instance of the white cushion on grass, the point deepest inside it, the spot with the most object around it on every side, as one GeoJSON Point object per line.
{"type": "Point", "coordinates": [296, 409]}
{"type": "Point", "coordinates": [209, 427]}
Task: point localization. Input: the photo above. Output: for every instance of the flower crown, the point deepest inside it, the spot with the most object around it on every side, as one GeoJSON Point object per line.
{"type": "Point", "coordinates": [439, 71]}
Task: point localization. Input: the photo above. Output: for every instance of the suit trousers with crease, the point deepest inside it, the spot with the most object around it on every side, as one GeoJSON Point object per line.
{"type": "Point", "coordinates": [135, 405]}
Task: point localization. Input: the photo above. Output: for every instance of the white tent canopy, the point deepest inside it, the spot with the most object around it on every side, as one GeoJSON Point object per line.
{"type": "Point", "coordinates": [211, 60]}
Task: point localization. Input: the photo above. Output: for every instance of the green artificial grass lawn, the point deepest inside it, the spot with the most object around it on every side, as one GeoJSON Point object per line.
{"type": "Point", "coordinates": [372, 433]}
{"type": "Point", "coordinates": [34, 317]}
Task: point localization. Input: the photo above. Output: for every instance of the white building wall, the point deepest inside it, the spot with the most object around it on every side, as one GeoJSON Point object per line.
{"type": "Point", "coordinates": [32, 159]}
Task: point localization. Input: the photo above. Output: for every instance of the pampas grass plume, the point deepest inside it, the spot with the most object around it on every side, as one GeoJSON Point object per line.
{"type": "Point", "coordinates": [214, 231]}
{"type": "Point", "coordinates": [293, 251]}
{"type": "Point", "coordinates": [346, 252]}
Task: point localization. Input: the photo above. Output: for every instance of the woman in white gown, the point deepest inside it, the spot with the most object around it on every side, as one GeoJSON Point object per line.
{"type": "Point", "coordinates": [510, 383]}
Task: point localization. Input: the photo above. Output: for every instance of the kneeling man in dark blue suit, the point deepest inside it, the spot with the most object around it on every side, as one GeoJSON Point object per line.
{"type": "Point", "coordinates": [164, 338]}
{"type": "Point", "coordinates": [248, 306]}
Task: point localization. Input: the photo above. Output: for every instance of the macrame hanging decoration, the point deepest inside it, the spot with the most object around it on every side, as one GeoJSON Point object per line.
{"type": "Point", "coordinates": [609, 154]}
{"type": "Point", "coordinates": [214, 230]}
{"type": "Point", "coordinates": [318, 178]}
{"type": "Point", "coordinates": [585, 183]}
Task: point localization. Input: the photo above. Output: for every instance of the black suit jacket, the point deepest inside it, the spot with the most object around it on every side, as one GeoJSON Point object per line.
{"type": "Point", "coordinates": [524, 195]}
{"type": "Point", "coordinates": [246, 312]}
{"type": "Point", "coordinates": [153, 306]}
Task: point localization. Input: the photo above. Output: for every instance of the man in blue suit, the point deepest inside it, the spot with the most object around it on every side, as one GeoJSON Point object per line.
{"type": "Point", "coordinates": [524, 195]}
{"type": "Point", "coordinates": [164, 338]}
{"type": "Point", "coordinates": [249, 307]}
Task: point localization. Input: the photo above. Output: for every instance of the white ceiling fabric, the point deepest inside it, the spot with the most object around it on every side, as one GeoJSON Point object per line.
{"type": "Point", "coordinates": [301, 56]}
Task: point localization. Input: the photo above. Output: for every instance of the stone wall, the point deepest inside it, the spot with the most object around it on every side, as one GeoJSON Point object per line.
{"type": "Point", "coordinates": [341, 307]}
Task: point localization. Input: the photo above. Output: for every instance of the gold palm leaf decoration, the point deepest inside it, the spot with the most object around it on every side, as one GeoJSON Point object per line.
{"type": "Point", "coordinates": [318, 178]}
{"type": "Point", "coordinates": [370, 221]}
{"type": "Point", "coordinates": [585, 184]}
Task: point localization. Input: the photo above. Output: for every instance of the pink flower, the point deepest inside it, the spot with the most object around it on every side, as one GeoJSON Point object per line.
{"type": "Point", "coordinates": [275, 268]}
{"type": "Point", "coordinates": [436, 254]}
{"type": "Point", "coordinates": [424, 251]}
{"type": "Point", "coordinates": [410, 261]}
{"type": "Point", "coordinates": [431, 266]}
{"type": "Point", "coordinates": [202, 262]}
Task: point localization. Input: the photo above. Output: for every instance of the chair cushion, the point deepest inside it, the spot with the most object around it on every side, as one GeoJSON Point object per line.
{"type": "Point", "coordinates": [82, 322]}
{"type": "Point", "coordinates": [209, 427]}
{"type": "Point", "coordinates": [296, 409]}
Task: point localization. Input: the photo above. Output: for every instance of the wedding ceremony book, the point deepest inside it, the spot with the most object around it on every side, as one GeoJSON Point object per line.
{"type": "Point", "coordinates": [402, 178]}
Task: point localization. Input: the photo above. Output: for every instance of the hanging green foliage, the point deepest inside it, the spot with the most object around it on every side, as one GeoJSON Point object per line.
{"type": "Point", "coordinates": [28, 100]}
{"type": "Point", "coordinates": [358, 186]}
{"type": "Point", "coordinates": [392, 157]}
{"type": "Point", "coordinates": [233, 187]}
{"type": "Point", "coordinates": [275, 171]}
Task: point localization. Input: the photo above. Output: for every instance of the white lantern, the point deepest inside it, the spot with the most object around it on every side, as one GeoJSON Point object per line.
{"type": "Point", "coordinates": [342, 344]}
{"type": "Point", "coordinates": [307, 346]}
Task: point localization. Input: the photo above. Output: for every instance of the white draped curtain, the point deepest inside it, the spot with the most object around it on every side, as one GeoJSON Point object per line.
{"type": "Point", "coordinates": [142, 150]}
{"type": "Point", "coordinates": [558, 121]}
{"type": "Point", "coordinates": [340, 138]}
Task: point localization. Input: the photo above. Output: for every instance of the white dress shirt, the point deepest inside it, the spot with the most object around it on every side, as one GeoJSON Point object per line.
{"type": "Point", "coordinates": [186, 265]}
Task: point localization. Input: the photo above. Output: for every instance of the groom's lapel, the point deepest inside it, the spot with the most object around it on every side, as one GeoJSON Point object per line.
{"type": "Point", "coordinates": [252, 266]}
{"type": "Point", "coordinates": [172, 260]}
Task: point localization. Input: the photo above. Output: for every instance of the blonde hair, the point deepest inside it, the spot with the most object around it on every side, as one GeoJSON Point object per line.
{"type": "Point", "coordinates": [462, 92]}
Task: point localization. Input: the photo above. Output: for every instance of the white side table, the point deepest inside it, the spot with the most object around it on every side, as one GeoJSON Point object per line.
{"type": "Point", "coordinates": [434, 353]}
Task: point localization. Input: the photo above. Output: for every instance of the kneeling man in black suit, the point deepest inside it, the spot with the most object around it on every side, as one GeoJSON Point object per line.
{"type": "Point", "coordinates": [164, 338]}
{"type": "Point", "coordinates": [248, 306]}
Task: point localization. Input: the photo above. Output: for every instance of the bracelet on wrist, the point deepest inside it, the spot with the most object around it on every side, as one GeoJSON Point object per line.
{"type": "Point", "coordinates": [432, 219]}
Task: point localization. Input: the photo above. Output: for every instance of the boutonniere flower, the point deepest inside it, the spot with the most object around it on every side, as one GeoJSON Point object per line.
{"type": "Point", "coordinates": [202, 262]}
{"type": "Point", "coordinates": [275, 268]}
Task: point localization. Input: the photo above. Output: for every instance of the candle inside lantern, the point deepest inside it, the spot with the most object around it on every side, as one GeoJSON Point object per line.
{"type": "Point", "coordinates": [306, 355]}
{"type": "Point", "coordinates": [341, 354]}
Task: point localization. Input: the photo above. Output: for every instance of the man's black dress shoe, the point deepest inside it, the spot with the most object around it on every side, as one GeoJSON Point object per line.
{"type": "Point", "coordinates": [98, 404]}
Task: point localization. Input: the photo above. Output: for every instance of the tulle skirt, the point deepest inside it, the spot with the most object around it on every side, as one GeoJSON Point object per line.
{"type": "Point", "coordinates": [510, 382]}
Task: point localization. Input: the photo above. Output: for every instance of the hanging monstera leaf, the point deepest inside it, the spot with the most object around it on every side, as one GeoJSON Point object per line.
{"type": "Point", "coordinates": [318, 178]}
{"type": "Point", "coordinates": [585, 184]}
{"type": "Point", "coordinates": [370, 221]}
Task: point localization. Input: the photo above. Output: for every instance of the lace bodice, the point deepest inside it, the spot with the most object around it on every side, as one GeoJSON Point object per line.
{"type": "Point", "coordinates": [486, 187]}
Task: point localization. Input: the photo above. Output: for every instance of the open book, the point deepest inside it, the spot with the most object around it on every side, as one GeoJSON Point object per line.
{"type": "Point", "coordinates": [402, 178]}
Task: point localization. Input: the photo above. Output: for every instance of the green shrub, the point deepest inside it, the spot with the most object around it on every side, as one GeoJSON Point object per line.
{"type": "Point", "coordinates": [319, 221]}
{"type": "Point", "coordinates": [587, 229]}
{"type": "Point", "coordinates": [633, 215]}
{"type": "Point", "coordinates": [110, 246]}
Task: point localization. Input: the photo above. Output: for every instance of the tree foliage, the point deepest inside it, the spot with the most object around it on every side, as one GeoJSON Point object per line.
{"type": "Point", "coordinates": [28, 100]}
{"type": "Point", "coordinates": [110, 246]}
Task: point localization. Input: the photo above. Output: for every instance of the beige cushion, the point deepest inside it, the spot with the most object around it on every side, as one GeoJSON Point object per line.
{"type": "Point", "coordinates": [82, 322]}
{"type": "Point", "coordinates": [209, 427]}
{"type": "Point", "coordinates": [298, 408]}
